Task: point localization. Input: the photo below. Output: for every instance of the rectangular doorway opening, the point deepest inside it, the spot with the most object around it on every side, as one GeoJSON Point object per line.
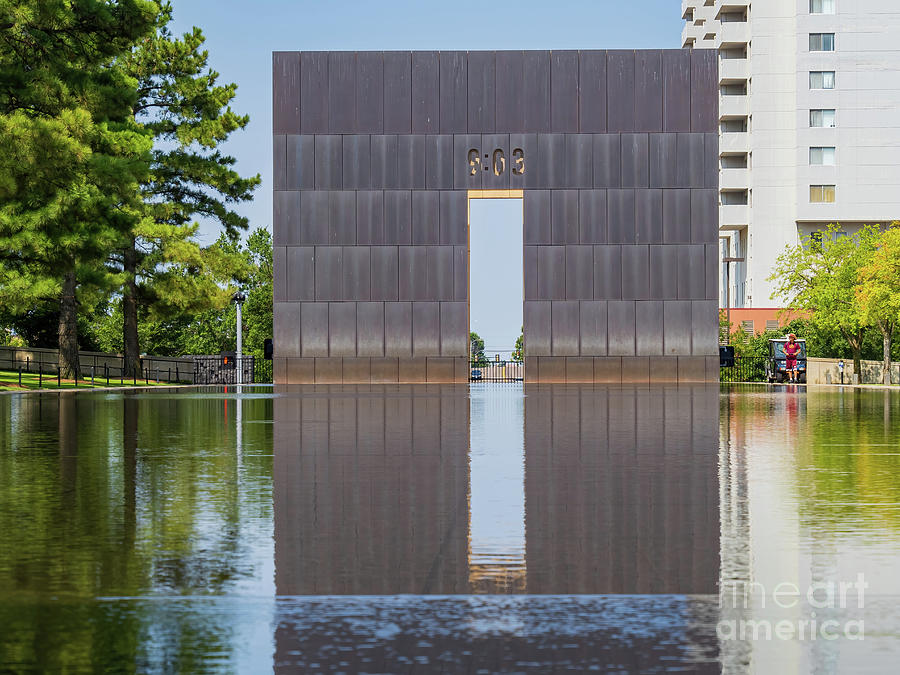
{"type": "Point", "coordinates": [496, 285]}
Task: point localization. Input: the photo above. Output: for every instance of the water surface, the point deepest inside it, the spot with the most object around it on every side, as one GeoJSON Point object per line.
{"type": "Point", "coordinates": [415, 529]}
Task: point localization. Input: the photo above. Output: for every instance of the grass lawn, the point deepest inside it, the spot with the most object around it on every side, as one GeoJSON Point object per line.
{"type": "Point", "coordinates": [9, 381]}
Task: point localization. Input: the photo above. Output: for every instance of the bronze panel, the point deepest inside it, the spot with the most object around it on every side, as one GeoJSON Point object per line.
{"type": "Point", "coordinates": [592, 91]}
{"type": "Point", "coordinates": [329, 273]}
{"type": "Point", "coordinates": [454, 218]}
{"type": "Point", "coordinates": [329, 370]}
{"type": "Point", "coordinates": [413, 371]}
{"type": "Point", "coordinates": [440, 370]}
{"type": "Point", "coordinates": [537, 328]}
{"type": "Point", "coordinates": [370, 329]}
{"type": "Point", "coordinates": [356, 162]}
{"type": "Point", "coordinates": [593, 327]}
{"type": "Point", "coordinates": [426, 329]}
{"type": "Point", "coordinates": [357, 275]}
{"type": "Point", "coordinates": [537, 91]}
{"type": "Point", "coordinates": [635, 160]}
{"type": "Point", "coordinates": [579, 369]}
{"type": "Point", "coordinates": [398, 217]}
{"type": "Point", "coordinates": [564, 91]}
{"type": "Point", "coordinates": [635, 369]}
{"type": "Point", "coordinates": [286, 92]}
{"type": "Point", "coordinates": [411, 161]}
{"type": "Point", "coordinates": [299, 273]}
{"type": "Point", "coordinates": [342, 217]}
{"type": "Point", "coordinates": [482, 92]}
{"type": "Point", "coordinates": [398, 329]}
{"type": "Point", "coordinates": [564, 216]}
{"type": "Point", "coordinates": [313, 88]}
{"type": "Point", "coordinates": [384, 371]}
{"type": "Point", "coordinates": [342, 92]}
{"type": "Point", "coordinates": [369, 217]}
{"type": "Point", "coordinates": [454, 329]}
{"type": "Point", "coordinates": [564, 330]}
{"type": "Point", "coordinates": [329, 157]}
{"type": "Point", "coordinates": [314, 329]}
{"type": "Point", "coordinates": [397, 92]}
{"type": "Point", "coordinates": [691, 369]}
{"type": "Point", "coordinates": [342, 329]}
{"type": "Point", "coordinates": [426, 219]}
{"type": "Point", "coordinates": [356, 370]}
{"type": "Point", "coordinates": [552, 369]}
{"type": "Point", "coordinates": [537, 217]}
{"type": "Point", "coordinates": [608, 369]}
{"type": "Point", "coordinates": [286, 329]}
{"type": "Point", "coordinates": [426, 100]}
{"type": "Point", "coordinates": [648, 90]}
{"type": "Point", "coordinates": [383, 161]}
{"type": "Point", "coordinates": [370, 92]}
{"type": "Point", "coordinates": [664, 369]}
{"type": "Point", "coordinates": [384, 273]}
{"type": "Point", "coordinates": [453, 91]}
{"type": "Point", "coordinates": [439, 162]}
{"type": "Point", "coordinates": [300, 371]}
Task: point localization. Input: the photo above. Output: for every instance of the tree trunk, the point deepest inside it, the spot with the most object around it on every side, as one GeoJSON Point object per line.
{"type": "Point", "coordinates": [129, 313]}
{"type": "Point", "coordinates": [887, 333]}
{"type": "Point", "coordinates": [855, 341]}
{"type": "Point", "coordinates": [68, 328]}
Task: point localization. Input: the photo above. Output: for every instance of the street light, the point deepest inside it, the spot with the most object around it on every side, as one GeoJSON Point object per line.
{"type": "Point", "coordinates": [239, 299]}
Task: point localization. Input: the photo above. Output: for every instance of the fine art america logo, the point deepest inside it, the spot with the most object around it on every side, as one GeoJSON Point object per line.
{"type": "Point", "coordinates": [750, 611]}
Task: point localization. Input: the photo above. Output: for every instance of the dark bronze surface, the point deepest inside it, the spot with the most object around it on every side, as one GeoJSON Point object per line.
{"type": "Point", "coordinates": [617, 155]}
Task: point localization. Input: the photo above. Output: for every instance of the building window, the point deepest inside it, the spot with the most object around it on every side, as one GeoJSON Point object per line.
{"type": "Point", "coordinates": [821, 6]}
{"type": "Point", "coordinates": [735, 198]}
{"type": "Point", "coordinates": [821, 79]}
{"type": "Point", "coordinates": [821, 118]}
{"type": "Point", "coordinates": [821, 157]}
{"type": "Point", "coordinates": [734, 126]}
{"type": "Point", "coordinates": [734, 89]}
{"type": "Point", "coordinates": [821, 194]}
{"type": "Point", "coordinates": [821, 42]}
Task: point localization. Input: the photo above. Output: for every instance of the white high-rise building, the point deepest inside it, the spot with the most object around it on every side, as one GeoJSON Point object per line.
{"type": "Point", "coordinates": [809, 113]}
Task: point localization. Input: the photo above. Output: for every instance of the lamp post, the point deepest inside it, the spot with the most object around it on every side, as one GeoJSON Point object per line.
{"type": "Point", "coordinates": [239, 299]}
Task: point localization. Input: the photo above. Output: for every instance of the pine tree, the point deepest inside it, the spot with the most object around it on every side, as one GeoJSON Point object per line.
{"type": "Point", "coordinates": [180, 103]}
{"type": "Point", "coordinates": [72, 155]}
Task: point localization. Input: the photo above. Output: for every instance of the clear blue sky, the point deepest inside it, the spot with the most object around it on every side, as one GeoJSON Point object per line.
{"type": "Point", "coordinates": [242, 34]}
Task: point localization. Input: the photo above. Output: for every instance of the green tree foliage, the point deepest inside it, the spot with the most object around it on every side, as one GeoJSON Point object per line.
{"type": "Point", "coordinates": [878, 291]}
{"type": "Point", "coordinates": [180, 102]}
{"type": "Point", "coordinates": [476, 348]}
{"type": "Point", "coordinates": [211, 330]}
{"type": "Point", "coordinates": [821, 274]}
{"type": "Point", "coordinates": [519, 350]}
{"type": "Point", "coordinates": [72, 154]}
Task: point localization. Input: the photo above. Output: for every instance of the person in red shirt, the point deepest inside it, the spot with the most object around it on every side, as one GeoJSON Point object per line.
{"type": "Point", "coordinates": [791, 351]}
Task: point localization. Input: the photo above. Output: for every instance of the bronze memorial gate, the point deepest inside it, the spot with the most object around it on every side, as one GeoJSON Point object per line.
{"type": "Point", "coordinates": [376, 155]}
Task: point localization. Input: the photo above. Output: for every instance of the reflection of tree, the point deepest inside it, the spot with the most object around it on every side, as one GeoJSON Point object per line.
{"type": "Point", "coordinates": [848, 451]}
{"type": "Point", "coordinates": [111, 496]}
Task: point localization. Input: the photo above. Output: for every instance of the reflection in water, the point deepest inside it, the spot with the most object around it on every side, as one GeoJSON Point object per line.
{"type": "Point", "coordinates": [375, 493]}
{"type": "Point", "coordinates": [497, 502]}
{"type": "Point", "coordinates": [120, 496]}
{"type": "Point", "coordinates": [139, 531]}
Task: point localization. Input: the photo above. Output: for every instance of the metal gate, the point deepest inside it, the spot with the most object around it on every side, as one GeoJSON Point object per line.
{"type": "Point", "coordinates": [497, 371]}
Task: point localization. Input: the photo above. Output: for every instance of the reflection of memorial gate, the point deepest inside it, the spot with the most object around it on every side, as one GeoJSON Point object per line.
{"type": "Point", "coordinates": [377, 153]}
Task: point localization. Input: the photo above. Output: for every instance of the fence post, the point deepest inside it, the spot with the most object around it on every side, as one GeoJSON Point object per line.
{"type": "Point", "coordinates": [40, 374]}
{"type": "Point", "coordinates": [58, 377]}
{"type": "Point", "coordinates": [106, 372]}
{"type": "Point", "coordinates": [20, 376]}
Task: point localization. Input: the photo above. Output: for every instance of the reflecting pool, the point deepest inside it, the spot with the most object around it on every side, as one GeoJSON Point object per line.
{"type": "Point", "coordinates": [451, 528]}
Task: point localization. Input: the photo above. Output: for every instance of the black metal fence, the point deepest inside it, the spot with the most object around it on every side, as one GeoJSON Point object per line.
{"type": "Point", "coordinates": [101, 369]}
{"type": "Point", "coordinates": [745, 369]}
{"type": "Point", "coordinates": [496, 371]}
{"type": "Point", "coordinates": [232, 370]}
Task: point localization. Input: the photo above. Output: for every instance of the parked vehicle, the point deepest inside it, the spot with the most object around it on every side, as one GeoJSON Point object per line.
{"type": "Point", "coordinates": [776, 370]}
